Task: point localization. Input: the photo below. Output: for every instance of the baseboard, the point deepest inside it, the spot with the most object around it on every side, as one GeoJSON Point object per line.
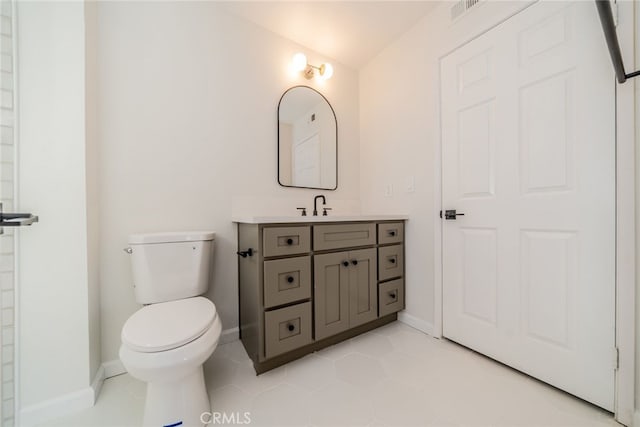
{"type": "Point", "coordinates": [45, 411]}
{"type": "Point", "coordinates": [416, 323]}
{"type": "Point", "coordinates": [113, 368]}
{"type": "Point", "coordinates": [229, 335]}
{"type": "Point", "coordinates": [98, 381]}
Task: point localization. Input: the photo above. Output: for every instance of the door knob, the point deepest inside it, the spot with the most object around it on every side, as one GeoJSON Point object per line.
{"type": "Point", "coordinates": [354, 262]}
{"type": "Point", "coordinates": [451, 214]}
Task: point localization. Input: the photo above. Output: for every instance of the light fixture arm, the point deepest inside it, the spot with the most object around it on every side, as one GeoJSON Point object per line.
{"type": "Point", "coordinates": [325, 71]}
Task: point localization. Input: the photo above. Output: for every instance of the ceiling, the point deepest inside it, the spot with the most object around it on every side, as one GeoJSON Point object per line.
{"type": "Point", "coordinates": [352, 32]}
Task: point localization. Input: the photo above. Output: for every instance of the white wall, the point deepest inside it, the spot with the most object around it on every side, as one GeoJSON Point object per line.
{"type": "Point", "coordinates": [188, 97]}
{"type": "Point", "coordinates": [399, 99]}
{"type": "Point", "coordinates": [54, 311]}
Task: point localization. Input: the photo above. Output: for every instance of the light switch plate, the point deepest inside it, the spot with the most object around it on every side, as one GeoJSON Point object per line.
{"type": "Point", "coordinates": [411, 184]}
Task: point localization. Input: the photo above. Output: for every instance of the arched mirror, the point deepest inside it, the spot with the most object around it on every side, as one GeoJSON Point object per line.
{"type": "Point", "coordinates": [307, 140]}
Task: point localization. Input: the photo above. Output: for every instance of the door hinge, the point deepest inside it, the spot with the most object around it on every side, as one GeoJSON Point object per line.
{"type": "Point", "coordinates": [615, 359]}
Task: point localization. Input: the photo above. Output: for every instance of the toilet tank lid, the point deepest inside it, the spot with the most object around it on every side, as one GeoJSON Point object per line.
{"type": "Point", "coordinates": [171, 237]}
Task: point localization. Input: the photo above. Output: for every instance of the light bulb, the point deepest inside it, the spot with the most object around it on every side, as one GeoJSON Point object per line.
{"type": "Point", "coordinates": [326, 71]}
{"type": "Point", "coordinates": [299, 62]}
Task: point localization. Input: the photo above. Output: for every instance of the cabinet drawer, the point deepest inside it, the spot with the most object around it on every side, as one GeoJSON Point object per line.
{"type": "Point", "coordinates": [279, 241]}
{"type": "Point", "coordinates": [391, 296]}
{"type": "Point", "coordinates": [390, 263]}
{"type": "Point", "coordinates": [390, 232]}
{"type": "Point", "coordinates": [287, 280]}
{"type": "Point", "coordinates": [287, 329]}
{"type": "Point", "coordinates": [343, 236]}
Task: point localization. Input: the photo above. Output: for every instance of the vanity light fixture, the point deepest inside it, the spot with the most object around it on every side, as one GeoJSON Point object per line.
{"type": "Point", "coordinates": [299, 62]}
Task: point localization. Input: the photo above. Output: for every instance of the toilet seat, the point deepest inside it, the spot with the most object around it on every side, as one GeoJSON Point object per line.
{"type": "Point", "coordinates": [168, 325]}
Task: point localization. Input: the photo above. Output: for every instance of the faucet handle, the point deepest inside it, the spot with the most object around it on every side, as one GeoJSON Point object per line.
{"type": "Point", "coordinates": [324, 211]}
{"type": "Point", "coordinates": [304, 211]}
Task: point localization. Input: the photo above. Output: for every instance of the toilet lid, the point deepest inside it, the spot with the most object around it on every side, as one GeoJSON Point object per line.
{"type": "Point", "coordinates": [167, 325]}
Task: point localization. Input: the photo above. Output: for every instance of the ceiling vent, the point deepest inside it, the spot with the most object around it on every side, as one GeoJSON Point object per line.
{"type": "Point", "coordinates": [461, 7]}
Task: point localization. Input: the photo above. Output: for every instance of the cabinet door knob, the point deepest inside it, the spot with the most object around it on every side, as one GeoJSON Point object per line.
{"type": "Point", "coordinates": [392, 260]}
{"type": "Point", "coordinates": [354, 262]}
{"type": "Point", "coordinates": [392, 233]}
{"type": "Point", "coordinates": [290, 327]}
{"type": "Point", "coordinates": [345, 263]}
{"type": "Point", "coordinates": [392, 295]}
{"type": "Point", "coordinates": [290, 279]}
{"type": "Point", "coordinates": [289, 241]}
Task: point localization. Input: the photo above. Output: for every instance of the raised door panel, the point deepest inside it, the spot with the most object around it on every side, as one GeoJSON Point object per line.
{"type": "Point", "coordinates": [363, 295]}
{"type": "Point", "coordinates": [331, 293]}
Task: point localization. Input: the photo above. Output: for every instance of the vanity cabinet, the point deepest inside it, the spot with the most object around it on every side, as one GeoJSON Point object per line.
{"type": "Point", "coordinates": [305, 286]}
{"type": "Point", "coordinates": [346, 293]}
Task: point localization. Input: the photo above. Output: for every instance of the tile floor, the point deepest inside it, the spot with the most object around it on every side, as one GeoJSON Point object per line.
{"type": "Point", "coordinates": [392, 376]}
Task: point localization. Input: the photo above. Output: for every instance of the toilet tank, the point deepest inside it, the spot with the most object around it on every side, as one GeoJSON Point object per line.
{"type": "Point", "coordinates": [170, 266]}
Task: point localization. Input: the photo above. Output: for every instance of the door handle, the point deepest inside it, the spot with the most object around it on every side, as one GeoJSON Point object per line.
{"type": "Point", "coordinates": [16, 219]}
{"type": "Point", "coordinates": [451, 214]}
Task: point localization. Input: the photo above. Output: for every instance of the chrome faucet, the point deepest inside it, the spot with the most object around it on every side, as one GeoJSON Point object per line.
{"type": "Point", "coordinates": [315, 200]}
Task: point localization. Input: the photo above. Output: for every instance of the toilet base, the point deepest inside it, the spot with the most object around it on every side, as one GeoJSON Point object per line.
{"type": "Point", "coordinates": [177, 403]}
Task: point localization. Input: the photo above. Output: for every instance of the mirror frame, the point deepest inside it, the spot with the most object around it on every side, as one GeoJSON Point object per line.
{"type": "Point", "coordinates": [278, 130]}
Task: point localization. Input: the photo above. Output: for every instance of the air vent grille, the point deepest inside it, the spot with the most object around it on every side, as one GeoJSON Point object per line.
{"type": "Point", "coordinates": [461, 7]}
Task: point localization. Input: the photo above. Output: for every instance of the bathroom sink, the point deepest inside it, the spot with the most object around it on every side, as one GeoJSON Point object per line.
{"type": "Point", "coordinates": [329, 218]}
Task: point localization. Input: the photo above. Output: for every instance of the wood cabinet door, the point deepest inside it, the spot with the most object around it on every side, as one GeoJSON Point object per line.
{"type": "Point", "coordinates": [363, 295]}
{"type": "Point", "coordinates": [331, 293]}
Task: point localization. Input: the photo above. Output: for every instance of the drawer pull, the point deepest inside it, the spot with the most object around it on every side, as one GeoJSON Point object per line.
{"type": "Point", "coordinates": [392, 260]}
{"type": "Point", "coordinates": [392, 233]}
{"type": "Point", "coordinates": [290, 327]}
{"type": "Point", "coordinates": [345, 263]}
{"type": "Point", "coordinates": [392, 295]}
{"type": "Point", "coordinates": [290, 279]}
{"type": "Point", "coordinates": [289, 241]}
{"type": "Point", "coordinates": [354, 262]}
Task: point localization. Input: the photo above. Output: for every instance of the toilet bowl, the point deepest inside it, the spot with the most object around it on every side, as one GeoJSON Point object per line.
{"type": "Point", "coordinates": [165, 345]}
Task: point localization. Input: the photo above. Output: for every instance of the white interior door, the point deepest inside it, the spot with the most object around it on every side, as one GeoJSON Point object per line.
{"type": "Point", "coordinates": [528, 149]}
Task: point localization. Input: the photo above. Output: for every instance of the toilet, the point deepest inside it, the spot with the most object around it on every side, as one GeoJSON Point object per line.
{"type": "Point", "coordinates": [166, 342]}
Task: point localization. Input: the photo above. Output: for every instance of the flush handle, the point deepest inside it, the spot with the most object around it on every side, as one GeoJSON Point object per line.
{"type": "Point", "coordinates": [244, 254]}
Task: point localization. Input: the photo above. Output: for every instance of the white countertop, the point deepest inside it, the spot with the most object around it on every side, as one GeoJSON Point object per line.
{"type": "Point", "coordinates": [319, 218]}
